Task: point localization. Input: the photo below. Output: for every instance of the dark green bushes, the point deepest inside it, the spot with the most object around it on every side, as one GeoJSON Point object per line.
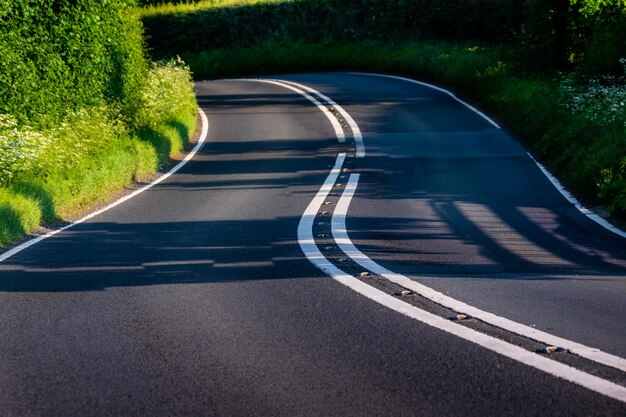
{"type": "Point", "coordinates": [546, 34]}
{"type": "Point", "coordinates": [204, 28]}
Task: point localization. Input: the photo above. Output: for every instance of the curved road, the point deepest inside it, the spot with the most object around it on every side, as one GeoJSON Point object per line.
{"type": "Point", "coordinates": [196, 298]}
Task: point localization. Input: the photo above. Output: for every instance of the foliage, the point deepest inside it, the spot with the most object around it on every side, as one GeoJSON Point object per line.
{"type": "Point", "coordinates": [165, 93]}
{"type": "Point", "coordinates": [77, 119]}
{"type": "Point", "coordinates": [18, 215]}
{"type": "Point", "coordinates": [590, 7]}
{"type": "Point", "coordinates": [600, 98]}
{"type": "Point", "coordinates": [64, 55]}
{"type": "Point", "coordinates": [207, 25]}
{"type": "Point", "coordinates": [28, 152]}
{"type": "Point", "coordinates": [601, 101]}
{"type": "Point", "coordinates": [545, 34]}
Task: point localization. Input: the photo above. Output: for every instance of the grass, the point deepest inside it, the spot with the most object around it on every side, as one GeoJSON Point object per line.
{"type": "Point", "coordinates": [192, 7]}
{"type": "Point", "coordinates": [18, 215]}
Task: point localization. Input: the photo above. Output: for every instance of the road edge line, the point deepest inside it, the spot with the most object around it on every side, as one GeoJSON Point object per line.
{"type": "Point", "coordinates": [573, 200]}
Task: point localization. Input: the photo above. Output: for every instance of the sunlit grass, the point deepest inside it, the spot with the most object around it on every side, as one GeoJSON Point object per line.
{"type": "Point", "coordinates": [203, 5]}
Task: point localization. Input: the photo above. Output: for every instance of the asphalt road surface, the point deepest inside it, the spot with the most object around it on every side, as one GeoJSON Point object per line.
{"type": "Point", "coordinates": [202, 295]}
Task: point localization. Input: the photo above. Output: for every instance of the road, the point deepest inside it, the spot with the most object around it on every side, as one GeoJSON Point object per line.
{"type": "Point", "coordinates": [206, 294]}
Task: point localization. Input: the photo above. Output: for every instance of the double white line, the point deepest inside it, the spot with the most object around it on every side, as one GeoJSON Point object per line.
{"type": "Point", "coordinates": [314, 255]}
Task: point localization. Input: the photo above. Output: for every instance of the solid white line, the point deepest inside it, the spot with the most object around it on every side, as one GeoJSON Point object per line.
{"type": "Point", "coordinates": [341, 136]}
{"type": "Point", "coordinates": [344, 242]}
{"type": "Point", "coordinates": [434, 87]}
{"type": "Point", "coordinates": [356, 131]}
{"type": "Point", "coordinates": [201, 139]}
{"type": "Point", "coordinates": [493, 344]}
{"type": "Point", "coordinates": [593, 216]}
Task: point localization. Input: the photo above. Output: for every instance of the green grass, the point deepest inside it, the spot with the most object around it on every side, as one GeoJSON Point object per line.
{"type": "Point", "coordinates": [18, 215]}
{"type": "Point", "coordinates": [192, 7]}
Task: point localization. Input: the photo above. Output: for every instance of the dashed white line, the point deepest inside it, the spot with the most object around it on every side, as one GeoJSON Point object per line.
{"type": "Point", "coordinates": [196, 148]}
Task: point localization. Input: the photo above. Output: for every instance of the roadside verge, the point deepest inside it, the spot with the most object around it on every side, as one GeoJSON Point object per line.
{"type": "Point", "coordinates": [121, 196]}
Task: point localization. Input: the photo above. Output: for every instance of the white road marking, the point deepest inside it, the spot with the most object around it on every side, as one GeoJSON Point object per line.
{"type": "Point", "coordinates": [344, 242]}
{"type": "Point", "coordinates": [341, 136]}
{"type": "Point", "coordinates": [434, 87]}
{"type": "Point", "coordinates": [311, 251]}
{"type": "Point", "coordinates": [356, 131]}
{"type": "Point", "coordinates": [307, 243]}
{"type": "Point", "coordinates": [305, 226]}
{"type": "Point", "coordinates": [590, 214]}
{"type": "Point", "coordinates": [201, 139]}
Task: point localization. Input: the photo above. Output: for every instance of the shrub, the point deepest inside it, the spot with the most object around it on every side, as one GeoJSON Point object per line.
{"type": "Point", "coordinates": [166, 93]}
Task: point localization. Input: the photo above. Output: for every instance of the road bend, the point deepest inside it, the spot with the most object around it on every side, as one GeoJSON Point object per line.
{"type": "Point", "coordinates": [195, 297]}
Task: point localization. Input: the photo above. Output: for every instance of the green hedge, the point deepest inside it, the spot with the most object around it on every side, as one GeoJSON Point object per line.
{"type": "Point", "coordinates": [205, 28]}
{"type": "Point", "coordinates": [63, 55]}
{"type": "Point", "coordinates": [545, 34]}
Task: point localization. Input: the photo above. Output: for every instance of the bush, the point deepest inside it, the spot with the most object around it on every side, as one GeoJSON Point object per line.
{"type": "Point", "coordinates": [27, 152]}
{"type": "Point", "coordinates": [208, 25]}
